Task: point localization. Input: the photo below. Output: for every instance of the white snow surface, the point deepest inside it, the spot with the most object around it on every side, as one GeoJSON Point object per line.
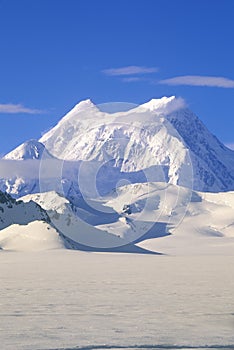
{"type": "Point", "coordinates": [35, 236]}
{"type": "Point", "coordinates": [72, 300]}
{"type": "Point", "coordinates": [178, 221]}
{"type": "Point", "coordinates": [26, 226]}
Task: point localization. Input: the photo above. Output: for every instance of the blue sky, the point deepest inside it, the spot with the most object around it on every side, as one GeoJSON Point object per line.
{"type": "Point", "coordinates": [55, 53]}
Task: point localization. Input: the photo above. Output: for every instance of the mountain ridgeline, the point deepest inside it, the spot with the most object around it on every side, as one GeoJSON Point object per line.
{"type": "Point", "coordinates": [119, 181]}
{"type": "Point", "coordinates": [160, 140]}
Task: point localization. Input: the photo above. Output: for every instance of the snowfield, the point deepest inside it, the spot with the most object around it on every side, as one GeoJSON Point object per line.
{"type": "Point", "coordinates": [74, 300]}
{"type": "Point", "coordinates": [156, 217]}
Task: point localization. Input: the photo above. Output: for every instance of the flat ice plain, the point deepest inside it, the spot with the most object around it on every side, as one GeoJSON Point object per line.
{"type": "Point", "coordinates": [62, 299]}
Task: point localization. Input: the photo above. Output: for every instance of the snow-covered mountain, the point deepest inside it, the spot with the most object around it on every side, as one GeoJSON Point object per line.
{"type": "Point", "coordinates": [17, 212]}
{"type": "Point", "coordinates": [35, 236]}
{"type": "Point", "coordinates": [31, 149]}
{"type": "Point", "coordinates": [105, 180]}
{"type": "Point", "coordinates": [78, 227]}
{"type": "Point", "coordinates": [48, 221]}
{"type": "Point", "coordinates": [26, 226]}
{"type": "Point", "coordinates": [133, 141]}
{"type": "Point", "coordinates": [159, 217]}
{"type": "Point", "coordinates": [160, 132]}
{"type": "Point", "coordinates": [18, 185]}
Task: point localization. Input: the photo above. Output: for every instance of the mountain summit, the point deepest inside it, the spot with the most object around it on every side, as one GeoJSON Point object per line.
{"type": "Point", "coordinates": [31, 149]}
{"type": "Point", "coordinates": [160, 133]}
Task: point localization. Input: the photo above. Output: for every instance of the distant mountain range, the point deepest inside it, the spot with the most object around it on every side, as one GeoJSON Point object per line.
{"type": "Point", "coordinates": [152, 158]}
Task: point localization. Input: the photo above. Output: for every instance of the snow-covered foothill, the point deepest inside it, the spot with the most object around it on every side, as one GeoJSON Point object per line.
{"type": "Point", "coordinates": [35, 236]}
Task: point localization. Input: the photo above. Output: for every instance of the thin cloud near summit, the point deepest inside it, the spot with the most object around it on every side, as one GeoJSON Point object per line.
{"type": "Point", "coordinates": [131, 74]}
{"type": "Point", "coordinates": [199, 80]}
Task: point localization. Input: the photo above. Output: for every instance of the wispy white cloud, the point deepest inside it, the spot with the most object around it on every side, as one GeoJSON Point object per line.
{"type": "Point", "coordinates": [129, 70]}
{"type": "Point", "coordinates": [230, 145]}
{"type": "Point", "coordinates": [132, 79]}
{"type": "Point", "coordinates": [17, 108]}
{"type": "Point", "coordinates": [198, 80]}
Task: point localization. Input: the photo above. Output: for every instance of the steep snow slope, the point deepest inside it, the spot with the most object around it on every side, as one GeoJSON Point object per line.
{"type": "Point", "coordinates": [31, 149]}
{"type": "Point", "coordinates": [18, 212]}
{"type": "Point", "coordinates": [213, 163]}
{"type": "Point", "coordinates": [26, 226]}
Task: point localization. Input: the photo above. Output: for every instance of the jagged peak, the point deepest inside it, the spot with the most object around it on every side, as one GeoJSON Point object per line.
{"type": "Point", "coordinates": [74, 115]}
{"type": "Point", "coordinates": [88, 103]}
{"type": "Point", "coordinates": [31, 149]}
{"type": "Point", "coordinates": [157, 102]}
{"type": "Point", "coordinates": [80, 107]}
{"type": "Point", "coordinates": [165, 105]}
